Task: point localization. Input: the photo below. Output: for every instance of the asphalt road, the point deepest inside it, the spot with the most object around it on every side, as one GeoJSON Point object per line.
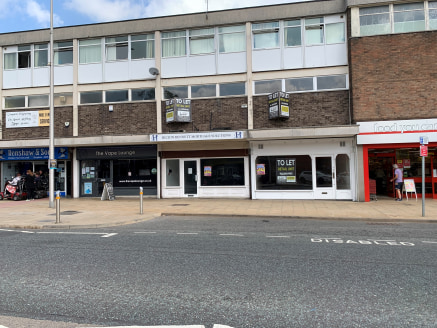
{"type": "Point", "coordinates": [239, 272]}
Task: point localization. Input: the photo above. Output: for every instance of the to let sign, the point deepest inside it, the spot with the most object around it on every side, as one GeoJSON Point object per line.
{"type": "Point", "coordinates": [423, 150]}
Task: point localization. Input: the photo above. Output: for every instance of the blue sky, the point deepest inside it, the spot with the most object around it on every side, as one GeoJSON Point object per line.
{"type": "Point", "coordinates": [23, 15]}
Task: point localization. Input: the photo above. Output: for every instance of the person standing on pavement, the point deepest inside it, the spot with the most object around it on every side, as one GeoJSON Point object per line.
{"type": "Point", "coordinates": [398, 179]}
{"type": "Point", "coordinates": [30, 185]}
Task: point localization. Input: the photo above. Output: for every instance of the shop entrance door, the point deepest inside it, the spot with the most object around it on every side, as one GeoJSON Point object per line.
{"type": "Point", "coordinates": [190, 178]}
{"type": "Point", "coordinates": [325, 175]}
{"type": "Point", "coordinates": [381, 170]}
{"type": "Point", "coordinates": [94, 175]}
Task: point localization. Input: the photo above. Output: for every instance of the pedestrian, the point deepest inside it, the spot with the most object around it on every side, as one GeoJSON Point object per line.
{"type": "Point", "coordinates": [30, 185]}
{"type": "Point", "coordinates": [15, 180]}
{"type": "Point", "coordinates": [398, 179]}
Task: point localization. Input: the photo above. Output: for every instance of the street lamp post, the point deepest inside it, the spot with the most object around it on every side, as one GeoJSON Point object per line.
{"type": "Point", "coordinates": [52, 119]}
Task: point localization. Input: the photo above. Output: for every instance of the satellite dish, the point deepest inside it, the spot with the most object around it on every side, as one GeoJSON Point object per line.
{"type": "Point", "coordinates": [153, 71]}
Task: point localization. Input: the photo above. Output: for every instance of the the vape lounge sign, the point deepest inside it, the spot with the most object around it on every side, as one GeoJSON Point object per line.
{"type": "Point", "coordinates": [27, 119]}
{"type": "Point", "coordinates": [177, 110]}
{"type": "Point", "coordinates": [279, 105]}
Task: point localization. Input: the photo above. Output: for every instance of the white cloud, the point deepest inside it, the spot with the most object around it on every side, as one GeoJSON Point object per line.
{"type": "Point", "coordinates": [114, 10]}
{"type": "Point", "coordinates": [34, 10]}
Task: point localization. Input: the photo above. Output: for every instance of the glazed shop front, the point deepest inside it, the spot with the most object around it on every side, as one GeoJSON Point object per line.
{"type": "Point", "coordinates": [126, 167]}
{"type": "Point", "coordinates": [398, 142]}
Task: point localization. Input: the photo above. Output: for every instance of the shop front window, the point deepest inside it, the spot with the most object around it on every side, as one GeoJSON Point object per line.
{"type": "Point", "coordinates": [284, 172]}
{"type": "Point", "coordinates": [135, 173]}
{"type": "Point", "coordinates": [222, 172]}
{"type": "Point", "coordinates": [172, 178]}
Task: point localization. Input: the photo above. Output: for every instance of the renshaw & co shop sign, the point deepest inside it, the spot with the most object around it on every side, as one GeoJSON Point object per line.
{"type": "Point", "coordinates": [27, 119]}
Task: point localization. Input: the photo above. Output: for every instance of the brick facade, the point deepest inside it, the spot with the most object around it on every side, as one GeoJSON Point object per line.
{"type": "Point", "coordinates": [306, 109]}
{"type": "Point", "coordinates": [210, 114]}
{"type": "Point", "coordinates": [62, 115]}
{"type": "Point", "coordinates": [125, 119]}
{"type": "Point", "coordinates": [394, 77]}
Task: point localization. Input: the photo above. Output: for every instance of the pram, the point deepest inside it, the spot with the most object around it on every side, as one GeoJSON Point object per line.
{"type": "Point", "coordinates": [17, 192]}
{"type": "Point", "coordinates": [41, 187]}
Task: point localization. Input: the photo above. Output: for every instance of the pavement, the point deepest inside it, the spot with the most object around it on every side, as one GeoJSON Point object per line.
{"type": "Point", "coordinates": [83, 213]}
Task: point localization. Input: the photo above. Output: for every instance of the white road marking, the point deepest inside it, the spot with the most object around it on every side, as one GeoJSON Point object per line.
{"type": "Point", "coordinates": [429, 242]}
{"type": "Point", "coordinates": [187, 233]}
{"type": "Point", "coordinates": [27, 232]}
{"type": "Point", "coordinates": [277, 236]}
{"type": "Point", "coordinates": [146, 232]}
{"type": "Point", "coordinates": [157, 327]}
{"type": "Point", "coordinates": [231, 234]}
{"type": "Point", "coordinates": [7, 230]}
{"type": "Point", "coordinates": [102, 234]}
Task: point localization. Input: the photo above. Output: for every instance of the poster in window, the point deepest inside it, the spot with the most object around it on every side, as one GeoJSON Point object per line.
{"type": "Point", "coordinates": [260, 169]}
{"type": "Point", "coordinates": [285, 170]}
{"type": "Point", "coordinates": [207, 171]}
{"type": "Point", "coordinates": [88, 188]}
{"type": "Point", "coordinates": [178, 110]}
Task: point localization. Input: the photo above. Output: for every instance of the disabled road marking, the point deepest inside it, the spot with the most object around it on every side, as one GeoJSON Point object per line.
{"type": "Point", "coordinates": [383, 242]}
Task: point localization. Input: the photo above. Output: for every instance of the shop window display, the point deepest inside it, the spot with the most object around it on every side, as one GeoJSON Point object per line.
{"type": "Point", "coordinates": [284, 172]}
{"type": "Point", "coordinates": [222, 172]}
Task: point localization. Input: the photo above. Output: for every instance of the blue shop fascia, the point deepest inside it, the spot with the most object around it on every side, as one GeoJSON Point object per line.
{"type": "Point", "coordinates": [19, 160]}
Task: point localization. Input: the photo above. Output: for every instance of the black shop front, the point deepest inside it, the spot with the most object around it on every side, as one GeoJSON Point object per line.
{"type": "Point", "coordinates": [127, 168]}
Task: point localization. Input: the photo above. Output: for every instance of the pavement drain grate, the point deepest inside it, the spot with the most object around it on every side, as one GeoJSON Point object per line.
{"type": "Point", "coordinates": [180, 204]}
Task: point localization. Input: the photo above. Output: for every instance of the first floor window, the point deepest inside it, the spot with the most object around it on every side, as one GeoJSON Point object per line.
{"type": "Point", "coordinates": [92, 97]}
{"type": "Point", "coordinates": [374, 20]}
{"type": "Point", "coordinates": [38, 101]}
{"type": "Point", "coordinates": [268, 86]}
{"type": "Point", "coordinates": [174, 44]}
{"type": "Point", "coordinates": [117, 48]}
{"type": "Point", "coordinates": [176, 92]}
{"type": "Point", "coordinates": [41, 55]}
{"type": "Point", "coordinates": [10, 61]}
{"type": "Point", "coordinates": [90, 51]}
{"type": "Point", "coordinates": [63, 52]}
{"type": "Point", "coordinates": [117, 95]}
{"type": "Point", "coordinates": [15, 102]}
{"type": "Point", "coordinates": [265, 35]}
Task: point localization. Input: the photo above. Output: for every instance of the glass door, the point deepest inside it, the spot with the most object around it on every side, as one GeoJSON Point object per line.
{"type": "Point", "coordinates": [324, 180]}
{"type": "Point", "coordinates": [190, 178]}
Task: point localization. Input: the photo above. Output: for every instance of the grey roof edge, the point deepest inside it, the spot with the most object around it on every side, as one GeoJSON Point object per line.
{"type": "Point", "coordinates": [185, 21]}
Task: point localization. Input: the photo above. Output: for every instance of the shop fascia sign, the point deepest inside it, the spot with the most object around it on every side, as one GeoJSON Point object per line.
{"type": "Point", "coordinates": [24, 154]}
{"type": "Point", "coordinates": [402, 131]}
{"type": "Point", "coordinates": [398, 126]}
{"type": "Point", "coordinates": [201, 136]}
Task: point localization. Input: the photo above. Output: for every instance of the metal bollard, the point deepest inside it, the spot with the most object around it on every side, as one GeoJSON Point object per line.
{"type": "Point", "coordinates": [58, 207]}
{"type": "Point", "coordinates": [141, 200]}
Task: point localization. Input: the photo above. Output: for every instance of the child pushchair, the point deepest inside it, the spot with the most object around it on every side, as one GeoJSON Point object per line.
{"type": "Point", "coordinates": [17, 192]}
{"type": "Point", "coordinates": [41, 187]}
